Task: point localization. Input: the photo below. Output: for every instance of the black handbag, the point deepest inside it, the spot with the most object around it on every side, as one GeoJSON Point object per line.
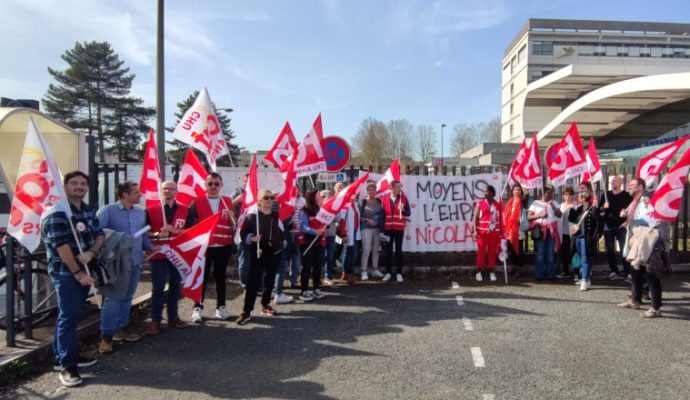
{"type": "Point", "coordinates": [535, 232]}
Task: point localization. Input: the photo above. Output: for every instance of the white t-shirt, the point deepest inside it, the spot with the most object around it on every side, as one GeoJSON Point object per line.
{"type": "Point", "coordinates": [645, 212]}
{"type": "Point", "coordinates": [538, 207]}
{"type": "Point", "coordinates": [214, 203]}
{"type": "Point", "coordinates": [564, 226]}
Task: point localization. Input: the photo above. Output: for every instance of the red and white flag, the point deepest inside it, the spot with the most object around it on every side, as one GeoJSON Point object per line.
{"type": "Point", "coordinates": [651, 166]}
{"type": "Point", "coordinates": [250, 202]}
{"type": "Point", "coordinates": [191, 183]}
{"type": "Point", "coordinates": [383, 186]}
{"type": "Point", "coordinates": [187, 252]}
{"type": "Point", "coordinates": [667, 198]}
{"type": "Point", "coordinates": [343, 200]}
{"type": "Point", "coordinates": [522, 151]}
{"type": "Point", "coordinates": [569, 159]}
{"type": "Point", "coordinates": [310, 157]}
{"type": "Point", "coordinates": [528, 174]}
{"type": "Point", "coordinates": [285, 145]}
{"type": "Point", "coordinates": [288, 198]}
{"type": "Point", "coordinates": [38, 189]}
{"type": "Point", "coordinates": [593, 172]}
{"type": "Point", "coordinates": [150, 182]}
{"type": "Point", "coordinates": [200, 129]}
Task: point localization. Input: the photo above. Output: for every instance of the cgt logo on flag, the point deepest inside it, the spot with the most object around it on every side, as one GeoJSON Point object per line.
{"type": "Point", "coordinates": [667, 199]}
{"type": "Point", "coordinates": [569, 159]}
{"type": "Point", "coordinates": [285, 145]}
{"type": "Point", "coordinates": [191, 183]}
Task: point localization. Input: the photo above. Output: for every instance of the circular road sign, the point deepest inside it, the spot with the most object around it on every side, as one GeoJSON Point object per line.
{"type": "Point", "coordinates": [337, 153]}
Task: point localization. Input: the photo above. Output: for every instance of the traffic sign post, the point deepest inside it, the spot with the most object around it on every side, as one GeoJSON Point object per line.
{"type": "Point", "coordinates": [337, 153]}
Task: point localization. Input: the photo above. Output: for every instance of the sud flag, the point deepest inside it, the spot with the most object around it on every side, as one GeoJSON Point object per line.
{"type": "Point", "coordinates": [569, 159]}
{"type": "Point", "coordinates": [38, 189]}
{"type": "Point", "coordinates": [191, 183]}
{"type": "Point", "coordinates": [383, 187]}
{"type": "Point", "coordinates": [288, 198]}
{"type": "Point", "coordinates": [249, 200]}
{"type": "Point", "coordinates": [310, 157]}
{"type": "Point", "coordinates": [528, 173]}
{"type": "Point", "coordinates": [651, 166]}
{"type": "Point", "coordinates": [593, 172]}
{"type": "Point", "coordinates": [200, 129]}
{"type": "Point", "coordinates": [187, 252]}
{"type": "Point", "coordinates": [522, 151]}
{"type": "Point", "coordinates": [150, 182]}
{"type": "Point", "coordinates": [285, 145]}
{"type": "Point", "coordinates": [342, 201]}
{"type": "Point", "coordinates": [667, 198]}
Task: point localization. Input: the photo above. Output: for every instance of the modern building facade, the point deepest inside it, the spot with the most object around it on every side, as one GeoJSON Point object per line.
{"type": "Point", "coordinates": [622, 82]}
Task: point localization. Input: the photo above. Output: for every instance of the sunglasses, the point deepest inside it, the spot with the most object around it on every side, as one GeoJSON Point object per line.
{"type": "Point", "coordinates": [269, 198]}
{"type": "Point", "coordinates": [212, 183]}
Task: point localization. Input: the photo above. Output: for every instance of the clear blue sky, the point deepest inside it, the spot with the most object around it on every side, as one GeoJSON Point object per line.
{"type": "Point", "coordinates": [430, 62]}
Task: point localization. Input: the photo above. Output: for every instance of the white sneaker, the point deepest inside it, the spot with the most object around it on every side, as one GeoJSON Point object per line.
{"type": "Point", "coordinates": [583, 285]}
{"type": "Point", "coordinates": [614, 276]}
{"type": "Point", "coordinates": [318, 295]}
{"type": "Point", "coordinates": [282, 298]}
{"type": "Point", "coordinates": [589, 284]}
{"type": "Point", "coordinates": [196, 315]}
{"type": "Point", "coordinates": [222, 313]}
{"type": "Point", "coordinates": [479, 277]}
{"type": "Point", "coordinates": [328, 282]}
{"type": "Point", "coordinates": [376, 274]}
{"type": "Point", "coordinates": [306, 296]}
{"type": "Point", "coordinates": [398, 277]}
{"type": "Point", "coordinates": [365, 276]}
{"type": "Point", "coordinates": [386, 278]}
{"type": "Point", "coordinates": [492, 276]}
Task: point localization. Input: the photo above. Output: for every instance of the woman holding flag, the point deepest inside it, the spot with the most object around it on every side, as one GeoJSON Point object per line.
{"type": "Point", "coordinates": [312, 248]}
{"type": "Point", "coordinates": [512, 220]}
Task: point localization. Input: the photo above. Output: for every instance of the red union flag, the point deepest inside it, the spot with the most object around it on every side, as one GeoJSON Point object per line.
{"type": "Point", "coordinates": [651, 166]}
{"type": "Point", "coordinates": [310, 157]}
{"type": "Point", "coordinates": [383, 187]}
{"type": "Point", "coordinates": [342, 201]}
{"type": "Point", "coordinates": [522, 151]}
{"type": "Point", "coordinates": [38, 188]}
{"type": "Point", "coordinates": [569, 158]}
{"type": "Point", "coordinates": [187, 252]}
{"type": "Point", "coordinates": [667, 198]}
{"type": "Point", "coordinates": [528, 173]}
{"type": "Point", "coordinates": [249, 200]}
{"type": "Point", "coordinates": [200, 129]}
{"type": "Point", "coordinates": [285, 145]}
{"type": "Point", "coordinates": [288, 199]}
{"type": "Point", "coordinates": [191, 183]}
{"type": "Point", "coordinates": [149, 185]}
{"type": "Point", "coordinates": [593, 172]}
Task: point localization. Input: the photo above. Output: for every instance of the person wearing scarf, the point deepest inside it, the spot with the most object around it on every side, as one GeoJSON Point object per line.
{"type": "Point", "coordinates": [512, 216]}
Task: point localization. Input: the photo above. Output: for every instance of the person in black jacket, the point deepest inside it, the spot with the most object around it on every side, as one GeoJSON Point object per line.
{"type": "Point", "coordinates": [615, 200]}
{"type": "Point", "coordinates": [586, 232]}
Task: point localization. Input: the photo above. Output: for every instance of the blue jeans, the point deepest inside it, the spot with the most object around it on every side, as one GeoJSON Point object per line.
{"type": "Point", "coordinates": [279, 259]}
{"type": "Point", "coordinates": [115, 313]}
{"type": "Point", "coordinates": [293, 256]}
{"type": "Point", "coordinates": [243, 262]}
{"type": "Point", "coordinates": [581, 247]}
{"type": "Point", "coordinates": [71, 297]}
{"type": "Point", "coordinates": [544, 266]}
{"type": "Point", "coordinates": [349, 259]}
{"type": "Point", "coordinates": [161, 270]}
{"type": "Point", "coordinates": [330, 257]}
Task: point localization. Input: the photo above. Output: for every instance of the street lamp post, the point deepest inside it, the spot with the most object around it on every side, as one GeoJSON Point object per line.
{"type": "Point", "coordinates": [442, 160]}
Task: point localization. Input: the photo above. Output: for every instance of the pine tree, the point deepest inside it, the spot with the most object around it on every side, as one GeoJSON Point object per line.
{"type": "Point", "coordinates": [179, 149]}
{"type": "Point", "coordinates": [92, 94]}
{"type": "Point", "coordinates": [127, 126]}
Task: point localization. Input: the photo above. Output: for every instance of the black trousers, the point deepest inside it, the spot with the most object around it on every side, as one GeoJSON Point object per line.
{"type": "Point", "coordinates": [263, 268]}
{"type": "Point", "coordinates": [610, 237]}
{"type": "Point", "coordinates": [565, 254]}
{"type": "Point", "coordinates": [217, 259]}
{"type": "Point", "coordinates": [638, 280]}
{"type": "Point", "coordinates": [516, 258]}
{"type": "Point", "coordinates": [396, 239]}
{"type": "Point", "coordinates": [312, 263]}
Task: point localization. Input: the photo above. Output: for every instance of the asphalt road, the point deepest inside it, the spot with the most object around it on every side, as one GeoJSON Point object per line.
{"type": "Point", "coordinates": [411, 340]}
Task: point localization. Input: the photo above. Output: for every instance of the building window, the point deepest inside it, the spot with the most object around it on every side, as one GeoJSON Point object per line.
{"type": "Point", "coordinates": [666, 52]}
{"type": "Point", "coordinates": [679, 52]}
{"type": "Point", "coordinates": [600, 50]}
{"type": "Point", "coordinates": [512, 89]}
{"type": "Point", "coordinates": [513, 64]}
{"type": "Point", "coordinates": [542, 48]}
{"type": "Point", "coordinates": [511, 109]}
{"type": "Point", "coordinates": [622, 51]}
{"type": "Point", "coordinates": [522, 54]}
{"type": "Point", "coordinates": [645, 52]}
{"type": "Point", "coordinates": [511, 130]}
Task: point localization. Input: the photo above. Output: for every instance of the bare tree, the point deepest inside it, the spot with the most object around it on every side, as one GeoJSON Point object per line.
{"type": "Point", "coordinates": [465, 136]}
{"type": "Point", "coordinates": [491, 131]}
{"type": "Point", "coordinates": [401, 133]}
{"type": "Point", "coordinates": [426, 143]}
{"type": "Point", "coordinates": [372, 141]}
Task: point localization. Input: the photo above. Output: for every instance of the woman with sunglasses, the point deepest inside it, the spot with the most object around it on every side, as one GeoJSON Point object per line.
{"type": "Point", "coordinates": [313, 247]}
{"type": "Point", "coordinates": [263, 246]}
{"type": "Point", "coordinates": [585, 232]}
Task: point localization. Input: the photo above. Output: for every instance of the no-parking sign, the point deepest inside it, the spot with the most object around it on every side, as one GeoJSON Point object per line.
{"type": "Point", "coordinates": [337, 153]}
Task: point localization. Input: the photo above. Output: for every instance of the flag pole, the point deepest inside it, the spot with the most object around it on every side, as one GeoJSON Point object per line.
{"type": "Point", "coordinates": [258, 246]}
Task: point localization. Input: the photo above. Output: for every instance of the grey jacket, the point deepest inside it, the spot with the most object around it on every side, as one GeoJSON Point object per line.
{"type": "Point", "coordinates": [116, 260]}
